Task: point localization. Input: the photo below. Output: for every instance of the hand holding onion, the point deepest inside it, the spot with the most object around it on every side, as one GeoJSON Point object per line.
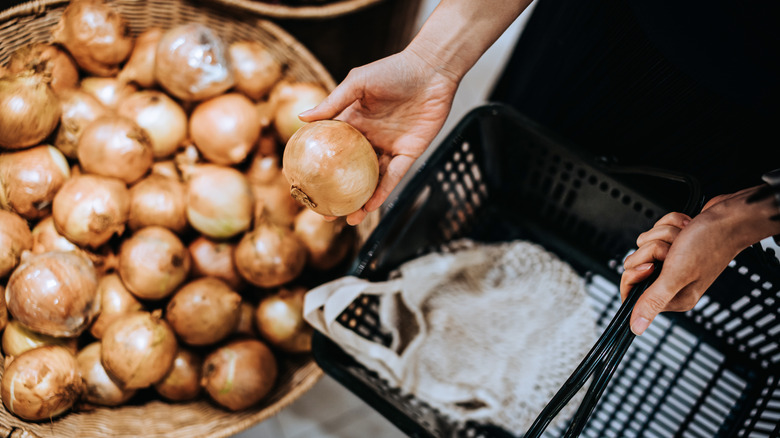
{"type": "Point", "coordinates": [331, 167]}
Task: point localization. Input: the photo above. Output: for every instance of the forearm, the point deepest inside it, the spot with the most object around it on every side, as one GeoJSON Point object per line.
{"type": "Point", "coordinates": [458, 32]}
{"type": "Point", "coordinates": [747, 217]}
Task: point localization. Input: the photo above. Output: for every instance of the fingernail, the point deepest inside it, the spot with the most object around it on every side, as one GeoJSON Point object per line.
{"type": "Point", "coordinates": [685, 222]}
{"type": "Point", "coordinates": [305, 113]}
{"type": "Point", "coordinates": [644, 266]}
{"type": "Point", "coordinates": [640, 325]}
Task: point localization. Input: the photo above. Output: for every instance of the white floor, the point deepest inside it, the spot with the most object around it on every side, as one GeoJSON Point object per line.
{"type": "Point", "coordinates": [328, 410]}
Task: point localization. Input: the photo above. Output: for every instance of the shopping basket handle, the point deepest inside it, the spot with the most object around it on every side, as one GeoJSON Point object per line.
{"type": "Point", "coordinates": [602, 359]}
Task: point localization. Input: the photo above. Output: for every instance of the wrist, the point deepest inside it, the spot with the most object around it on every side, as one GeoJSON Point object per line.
{"type": "Point", "coordinates": [744, 220]}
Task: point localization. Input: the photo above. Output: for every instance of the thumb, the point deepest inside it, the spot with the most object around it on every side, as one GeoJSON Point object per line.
{"type": "Point", "coordinates": [652, 302]}
{"type": "Point", "coordinates": [336, 102]}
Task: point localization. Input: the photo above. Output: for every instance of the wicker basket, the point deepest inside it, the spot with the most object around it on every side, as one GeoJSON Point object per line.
{"type": "Point", "coordinates": [330, 9]}
{"type": "Point", "coordinates": [32, 22]}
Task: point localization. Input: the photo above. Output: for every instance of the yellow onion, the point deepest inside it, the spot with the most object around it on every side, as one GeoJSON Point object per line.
{"type": "Point", "coordinates": [288, 99]}
{"type": "Point", "coordinates": [192, 63]}
{"type": "Point", "coordinates": [160, 116]}
{"type": "Point", "coordinates": [166, 168]}
{"type": "Point", "coordinates": [140, 66]}
{"type": "Point", "coordinates": [270, 255]}
{"type": "Point", "coordinates": [54, 293]}
{"type": "Point", "coordinates": [109, 91]}
{"type": "Point", "coordinates": [89, 209]}
{"type": "Point", "coordinates": [79, 109]}
{"type": "Point", "coordinates": [115, 301]}
{"type": "Point", "coordinates": [256, 70]}
{"type": "Point", "coordinates": [214, 258]}
{"type": "Point", "coordinates": [265, 169]}
{"type": "Point", "coordinates": [158, 200]}
{"type": "Point", "coordinates": [225, 128]}
{"type": "Point", "coordinates": [30, 178]}
{"type": "Point", "coordinates": [30, 110]}
{"type": "Point", "coordinates": [17, 339]}
{"type": "Point", "coordinates": [239, 374]}
{"type": "Point", "coordinates": [279, 319]}
{"type": "Point", "coordinates": [101, 389]}
{"type": "Point", "coordinates": [138, 349]}
{"type": "Point", "coordinates": [182, 382]}
{"type": "Point", "coordinates": [327, 242]}
{"type": "Point", "coordinates": [95, 35]}
{"type": "Point", "coordinates": [274, 201]}
{"type": "Point", "coordinates": [3, 309]}
{"type": "Point", "coordinates": [219, 201]}
{"type": "Point", "coordinates": [46, 238]}
{"type": "Point", "coordinates": [153, 262]}
{"type": "Point", "coordinates": [49, 60]}
{"type": "Point", "coordinates": [42, 383]}
{"type": "Point", "coordinates": [203, 311]}
{"type": "Point", "coordinates": [331, 167]}
{"type": "Point", "coordinates": [15, 238]}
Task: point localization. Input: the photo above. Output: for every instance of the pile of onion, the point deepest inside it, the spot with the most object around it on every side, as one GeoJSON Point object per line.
{"type": "Point", "coordinates": [225, 128]}
{"type": "Point", "coordinates": [101, 389]}
{"type": "Point", "coordinates": [30, 178]}
{"type": "Point", "coordinates": [153, 262]}
{"type": "Point", "coordinates": [140, 67]}
{"type": "Point", "coordinates": [117, 147]}
{"type": "Point", "coordinates": [79, 109]}
{"type": "Point", "coordinates": [214, 258]}
{"type": "Point", "coordinates": [219, 201]}
{"type": "Point", "coordinates": [204, 311]}
{"type": "Point", "coordinates": [288, 99]}
{"type": "Point", "coordinates": [279, 319]}
{"type": "Point", "coordinates": [161, 117]}
{"type": "Point", "coordinates": [158, 200]}
{"type": "Point", "coordinates": [182, 382]}
{"type": "Point", "coordinates": [331, 167]}
{"type": "Point", "coordinates": [115, 301]}
{"type": "Point", "coordinates": [108, 91]}
{"type": "Point", "coordinates": [49, 60]}
{"type": "Point", "coordinates": [17, 339]}
{"type": "Point", "coordinates": [327, 242]}
{"type": "Point", "coordinates": [270, 255]}
{"type": "Point", "coordinates": [254, 67]}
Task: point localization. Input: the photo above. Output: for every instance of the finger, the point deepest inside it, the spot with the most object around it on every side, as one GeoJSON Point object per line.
{"type": "Point", "coordinates": [665, 233]}
{"type": "Point", "coordinates": [356, 217]}
{"type": "Point", "coordinates": [396, 169]}
{"type": "Point", "coordinates": [676, 219]}
{"type": "Point", "coordinates": [337, 101]}
{"type": "Point", "coordinates": [652, 302]}
{"type": "Point", "coordinates": [655, 250]}
{"type": "Point", "coordinates": [330, 218]}
{"type": "Point", "coordinates": [632, 277]}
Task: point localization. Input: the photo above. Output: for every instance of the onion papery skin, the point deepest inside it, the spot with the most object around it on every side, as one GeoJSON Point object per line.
{"type": "Point", "coordinates": [331, 167]}
{"type": "Point", "coordinates": [79, 109]}
{"type": "Point", "coordinates": [109, 91]}
{"type": "Point", "coordinates": [153, 262]}
{"type": "Point", "coordinates": [115, 147]}
{"type": "Point", "coordinates": [270, 256]}
{"type": "Point", "coordinates": [219, 201]}
{"type": "Point", "coordinates": [95, 35]}
{"type": "Point", "coordinates": [49, 60]}
{"type": "Point", "coordinates": [138, 349]}
{"type": "Point", "coordinates": [54, 293]}
{"type": "Point", "coordinates": [161, 117]}
{"type": "Point", "coordinates": [140, 67]}
{"type": "Point", "coordinates": [279, 319]}
{"type": "Point", "coordinates": [101, 389]}
{"type": "Point", "coordinates": [182, 382]}
{"type": "Point", "coordinates": [89, 209]}
{"type": "Point", "coordinates": [17, 339]}
{"type": "Point", "coordinates": [115, 301]}
{"type": "Point", "coordinates": [42, 383]}
{"type": "Point", "coordinates": [30, 178]}
{"type": "Point", "coordinates": [203, 311]}
{"type": "Point", "coordinates": [214, 258]}
{"type": "Point", "coordinates": [254, 67]}
{"type": "Point", "coordinates": [192, 63]}
{"type": "Point", "coordinates": [158, 200]}
{"type": "Point", "coordinates": [239, 374]}
{"type": "Point", "coordinates": [30, 110]}
{"type": "Point", "coordinates": [327, 242]}
{"type": "Point", "coordinates": [15, 238]}
{"type": "Point", "coordinates": [225, 128]}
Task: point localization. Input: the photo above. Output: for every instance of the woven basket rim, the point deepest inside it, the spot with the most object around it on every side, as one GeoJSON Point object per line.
{"type": "Point", "coordinates": [330, 10]}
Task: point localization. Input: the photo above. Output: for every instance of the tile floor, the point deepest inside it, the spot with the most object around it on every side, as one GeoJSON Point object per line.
{"type": "Point", "coordinates": [328, 410]}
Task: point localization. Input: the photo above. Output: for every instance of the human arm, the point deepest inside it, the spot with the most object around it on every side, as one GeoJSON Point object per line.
{"type": "Point", "coordinates": [401, 102]}
{"type": "Point", "coordinates": [694, 251]}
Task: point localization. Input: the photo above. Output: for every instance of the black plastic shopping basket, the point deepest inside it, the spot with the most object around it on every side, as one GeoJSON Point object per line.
{"type": "Point", "coordinates": [709, 372]}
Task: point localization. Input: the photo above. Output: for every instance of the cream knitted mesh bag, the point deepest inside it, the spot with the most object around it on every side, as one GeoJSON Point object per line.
{"type": "Point", "coordinates": [482, 332]}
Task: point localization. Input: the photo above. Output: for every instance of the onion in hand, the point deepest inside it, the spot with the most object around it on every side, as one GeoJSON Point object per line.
{"type": "Point", "coordinates": [331, 166]}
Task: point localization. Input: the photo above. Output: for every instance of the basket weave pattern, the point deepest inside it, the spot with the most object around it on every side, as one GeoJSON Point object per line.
{"type": "Point", "coordinates": [32, 22]}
